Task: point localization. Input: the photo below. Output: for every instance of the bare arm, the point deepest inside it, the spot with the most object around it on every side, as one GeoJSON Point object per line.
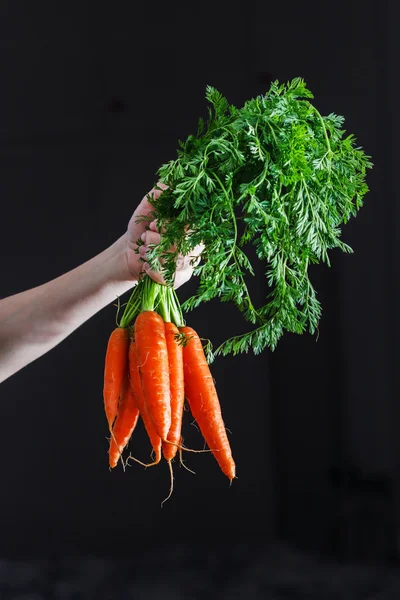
{"type": "Point", "coordinates": [33, 322]}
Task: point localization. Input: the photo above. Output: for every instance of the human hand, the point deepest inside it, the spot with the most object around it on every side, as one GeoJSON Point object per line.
{"type": "Point", "coordinates": [147, 232]}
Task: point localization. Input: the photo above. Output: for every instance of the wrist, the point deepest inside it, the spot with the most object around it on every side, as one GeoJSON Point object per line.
{"type": "Point", "coordinates": [118, 269]}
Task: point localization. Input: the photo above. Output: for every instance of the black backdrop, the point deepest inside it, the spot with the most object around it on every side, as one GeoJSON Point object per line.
{"type": "Point", "coordinates": [93, 99]}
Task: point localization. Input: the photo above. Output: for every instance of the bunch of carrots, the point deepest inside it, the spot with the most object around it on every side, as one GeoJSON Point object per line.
{"type": "Point", "coordinates": [153, 362]}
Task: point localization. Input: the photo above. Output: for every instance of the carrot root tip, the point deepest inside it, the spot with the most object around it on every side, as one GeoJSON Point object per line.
{"type": "Point", "coordinates": [187, 468]}
{"type": "Point", "coordinates": [182, 464]}
{"type": "Point", "coordinates": [171, 489]}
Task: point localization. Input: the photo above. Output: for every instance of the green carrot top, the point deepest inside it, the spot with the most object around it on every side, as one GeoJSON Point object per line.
{"type": "Point", "coordinates": [274, 174]}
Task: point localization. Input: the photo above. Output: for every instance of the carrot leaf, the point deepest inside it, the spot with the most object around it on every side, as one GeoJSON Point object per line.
{"type": "Point", "coordinates": [274, 174]}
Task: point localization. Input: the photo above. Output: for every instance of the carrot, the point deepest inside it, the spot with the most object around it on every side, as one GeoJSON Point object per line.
{"type": "Point", "coordinates": [136, 384]}
{"type": "Point", "coordinates": [125, 423]}
{"type": "Point", "coordinates": [114, 370]}
{"type": "Point", "coordinates": [203, 401]}
{"type": "Point", "coordinates": [175, 359]}
{"type": "Point", "coordinates": [152, 353]}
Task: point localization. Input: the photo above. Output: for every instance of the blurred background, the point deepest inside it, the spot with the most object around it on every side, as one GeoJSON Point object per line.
{"type": "Point", "coordinates": [94, 97]}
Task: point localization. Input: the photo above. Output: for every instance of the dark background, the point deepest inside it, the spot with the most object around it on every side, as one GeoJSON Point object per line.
{"type": "Point", "coordinates": [94, 97]}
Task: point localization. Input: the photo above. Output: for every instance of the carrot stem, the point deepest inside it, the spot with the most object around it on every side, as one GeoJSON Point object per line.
{"type": "Point", "coordinates": [150, 291]}
{"type": "Point", "coordinates": [143, 297]}
{"type": "Point", "coordinates": [163, 307]}
{"type": "Point", "coordinates": [132, 307]}
{"type": "Point", "coordinates": [176, 311]}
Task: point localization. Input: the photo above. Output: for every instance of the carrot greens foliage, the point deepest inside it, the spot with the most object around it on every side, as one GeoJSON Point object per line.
{"type": "Point", "coordinates": [274, 174]}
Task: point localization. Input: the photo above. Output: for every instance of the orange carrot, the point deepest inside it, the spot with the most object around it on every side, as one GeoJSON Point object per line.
{"type": "Point", "coordinates": [116, 364]}
{"type": "Point", "coordinates": [203, 401]}
{"type": "Point", "coordinates": [136, 384]}
{"type": "Point", "coordinates": [175, 359]}
{"type": "Point", "coordinates": [151, 348]}
{"type": "Point", "coordinates": [125, 423]}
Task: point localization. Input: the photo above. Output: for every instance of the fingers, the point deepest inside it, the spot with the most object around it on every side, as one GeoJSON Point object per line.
{"type": "Point", "coordinates": [189, 261]}
{"type": "Point", "coordinates": [184, 267]}
{"type": "Point", "coordinates": [184, 264]}
{"type": "Point", "coordinates": [155, 275]}
{"type": "Point", "coordinates": [153, 226]}
{"type": "Point", "coordinates": [150, 237]}
{"type": "Point", "coordinates": [145, 207]}
{"type": "Point", "coordinates": [196, 252]}
{"type": "Point", "coordinates": [156, 193]}
{"type": "Point", "coordinates": [163, 186]}
{"type": "Point", "coordinates": [153, 238]}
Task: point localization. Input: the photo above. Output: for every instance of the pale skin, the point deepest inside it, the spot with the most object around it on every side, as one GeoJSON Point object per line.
{"type": "Point", "coordinates": [35, 321]}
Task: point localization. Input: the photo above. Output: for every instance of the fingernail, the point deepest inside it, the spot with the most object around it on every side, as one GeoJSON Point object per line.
{"type": "Point", "coordinates": [143, 236]}
{"type": "Point", "coordinates": [143, 250]}
{"type": "Point", "coordinates": [146, 266]}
